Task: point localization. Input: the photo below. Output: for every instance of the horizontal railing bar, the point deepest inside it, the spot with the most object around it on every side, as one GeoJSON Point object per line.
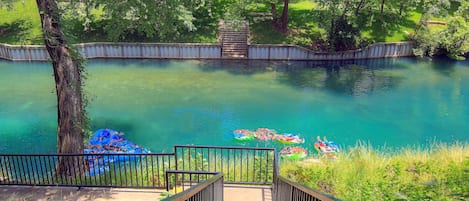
{"type": "Point", "coordinates": [97, 154]}
{"type": "Point", "coordinates": [191, 172]}
{"type": "Point", "coordinates": [307, 190]}
{"type": "Point", "coordinates": [225, 147]}
{"type": "Point", "coordinates": [92, 186]}
{"type": "Point", "coordinates": [248, 183]}
{"type": "Point", "coordinates": [196, 189]}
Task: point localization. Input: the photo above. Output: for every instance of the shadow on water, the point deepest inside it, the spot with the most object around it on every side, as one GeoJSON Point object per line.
{"type": "Point", "coordinates": [348, 80]}
{"type": "Point", "coordinates": [444, 65]}
{"type": "Point", "coordinates": [138, 63]}
{"type": "Point", "coordinates": [102, 122]}
{"type": "Point", "coordinates": [240, 67]}
{"type": "Point", "coordinates": [350, 77]}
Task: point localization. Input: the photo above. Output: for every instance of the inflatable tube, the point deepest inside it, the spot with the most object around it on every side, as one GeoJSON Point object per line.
{"type": "Point", "coordinates": [107, 141]}
{"type": "Point", "coordinates": [293, 152]}
{"type": "Point", "coordinates": [244, 138]}
{"type": "Point", "coordinates": [243, 135]}
{"type": "Point", "coordinates": [294, 156]}
{"type": "Point", "coordinates": [289, 139]}
{"type": "Point", "coordinates": [328, 147]}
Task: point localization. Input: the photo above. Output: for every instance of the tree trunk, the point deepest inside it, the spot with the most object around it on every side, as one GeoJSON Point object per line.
{"type": "Point", "coordinates": [382, 6]}
{"type": "Point", "coordinates": [401, 7]}
{"type": "Point", "coordinates": [273, 10]}
{"type": "Point", "coordinates": [283, 24]}
{"type": "Point", "coordinates": [357, 10]}
{"type": "Point", "coordinates": [68, 88]}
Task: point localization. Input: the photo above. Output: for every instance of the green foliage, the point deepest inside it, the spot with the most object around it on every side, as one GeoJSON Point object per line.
{"type": "Point", "coordinates": [8, 4]}
{"type": "Point", "coordinates": [321, 25]}
{"type": "Point", "coordinates": [455, 38]}
{"type": "Point", "coordinates": [452, 40]}
{"type": "Point", "coordinates": [426, 41]}
{"type": "Point", "coordinates": [363, 173]}
{"type": "Point", "coordinates": [20, 23]}
{"type": "Point", "coordinates": [147, 17]}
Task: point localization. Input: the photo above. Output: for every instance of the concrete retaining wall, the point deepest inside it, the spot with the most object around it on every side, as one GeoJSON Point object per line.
{"type": "Point", "coordinates": [118, 50]}
{"type": "Point", "coordinates": [204, 51]}
{"type": "Point", "coordinates": [291, 52]}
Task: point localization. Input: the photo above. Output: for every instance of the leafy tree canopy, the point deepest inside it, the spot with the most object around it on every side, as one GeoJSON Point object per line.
{"type": "Point", "coordinates": [148, 17]}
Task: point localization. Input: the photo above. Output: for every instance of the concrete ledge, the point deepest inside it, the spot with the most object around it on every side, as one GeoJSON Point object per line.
{"type": "Point", "coordinates": [205, 51]}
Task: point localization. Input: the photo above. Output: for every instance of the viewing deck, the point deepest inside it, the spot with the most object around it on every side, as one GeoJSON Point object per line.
{"type": "Point", "coordinates": [231, 193]}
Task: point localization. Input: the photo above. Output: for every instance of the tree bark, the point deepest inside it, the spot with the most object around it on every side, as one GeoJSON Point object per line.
{"type": "Point", "coordinates": [283, 24]}
{"type": "Point", "coordinates": [401, 7]}
{"type": "Point", "coordinates": [68, 88]}
{"type": "Point", "coordinates": [273, 10]}
{"type": "Point", "coordinates": [359, 6]}
{"type": "Point", "coordinates": [382, 6]}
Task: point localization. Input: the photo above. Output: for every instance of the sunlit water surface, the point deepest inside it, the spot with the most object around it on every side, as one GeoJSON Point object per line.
{"type": "Point", "coordinates": [159, 103]}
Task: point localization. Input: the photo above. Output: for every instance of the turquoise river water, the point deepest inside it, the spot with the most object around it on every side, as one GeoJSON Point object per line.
{"type": "Point", "coordinates": [159, 103]}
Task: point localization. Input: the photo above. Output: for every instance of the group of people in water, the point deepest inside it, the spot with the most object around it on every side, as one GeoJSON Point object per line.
{"type": "Point", "coordinates": [265, 134]}
{"type": "Point", "coordinates": [326, 148]}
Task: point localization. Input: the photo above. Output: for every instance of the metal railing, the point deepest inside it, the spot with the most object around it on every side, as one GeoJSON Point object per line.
{"type": "Point", "coordinates": [180, 180]}
{"type": "Point", "coordinates": [87, 170]}
{"type": "Point", "coordinates": [239, 165]}
{"type": "Point", "coordinates": [287, 190]}
{"type": "Point", "coordinates": [209, 190]}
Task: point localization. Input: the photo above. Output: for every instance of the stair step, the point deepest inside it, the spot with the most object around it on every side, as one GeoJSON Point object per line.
{"type": "Point", "coordinates": [234, 50]}
{"type": "Point", "coordinates": [234, 44]}
{"type": "Point", "coordinates": [234, 56]}
{"type": "Point", "coordinates": [238, 50]}
{"type": "Point", "coordinates": [234, 34]}
{"type": "Point", "coordinates": [235, 38]}
{"type": "Point", "coordinates": [234, 47]}
{"type": "Point", "coordinates": [234, 41]}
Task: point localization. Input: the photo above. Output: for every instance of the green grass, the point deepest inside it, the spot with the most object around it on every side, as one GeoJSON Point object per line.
{"type": "Point", "coordinates": [303, 25]}
{"type": "Point", "coordinates": [397, 33]}
{"type": "Point", "coordinates": [21, 25]}
{"type": "Point", "coordinates": [300, 19]}
{"type": "Point", "coordinates": [440, 172]}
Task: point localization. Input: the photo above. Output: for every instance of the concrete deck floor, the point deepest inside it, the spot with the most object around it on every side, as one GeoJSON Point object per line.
{"type": "Point", "coordinates": [27, 193]}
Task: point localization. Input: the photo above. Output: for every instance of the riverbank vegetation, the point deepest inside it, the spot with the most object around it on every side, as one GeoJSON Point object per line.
{"type": "Point", "coordinates": [438, 26]}
{"type": "Point", "coordinates": [439, 172]}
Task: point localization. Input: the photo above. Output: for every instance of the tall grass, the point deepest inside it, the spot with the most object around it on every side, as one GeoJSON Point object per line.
{"type": "Point", "coordinates": [437, 172]}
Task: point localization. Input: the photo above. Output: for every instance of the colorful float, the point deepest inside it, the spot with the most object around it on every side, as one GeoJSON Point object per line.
{"type": "Point", "coordinates": [107, 141]}
{"type": "Point", "coordinates": [243, 135]}
{"type": "Point", "coordinates": [289, 138]}
{"type": "Point", "coordinates": [326, 146]}
{"type": "Point", "coordinates": [293, 152]}
{"type": "Point", "coordinates": [265, 134]}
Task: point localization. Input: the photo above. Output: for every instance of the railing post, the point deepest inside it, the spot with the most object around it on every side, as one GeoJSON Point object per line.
{"type": "Point", "coordinates": [166, 181]}
{"type": "Point", "coordinates": [275, 172]}
{"type": "Point", "coordinates": [175, 157]}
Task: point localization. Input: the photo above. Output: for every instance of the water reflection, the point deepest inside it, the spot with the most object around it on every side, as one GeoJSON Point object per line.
{"type": "Point", "coordinates": [444, 66]}
{"type": "Point", "coordinates": [351, 77]}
